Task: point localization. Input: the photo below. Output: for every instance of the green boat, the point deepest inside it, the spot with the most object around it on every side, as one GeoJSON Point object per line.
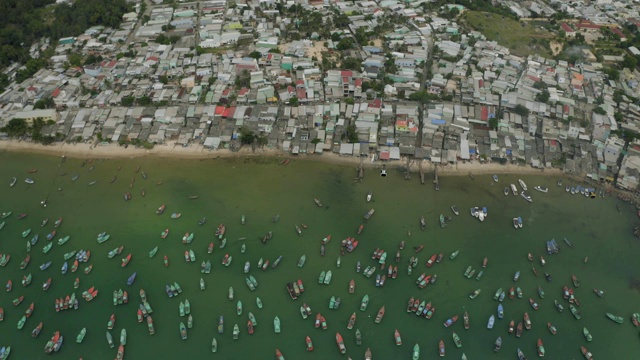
{"type": "Point", "coordinates": [454, 254]}
{"type": "Point", "coordinates": [223, 243]}
{"type": "Point", "coordinates": [243, 248]}
{"type": "Point", "coordinates": [276, 325]}
{"type": "Point", "coordinates": [6, 214]}
{"type": "Point", "coordinates": [467, 272]}
{"type": "Point", "coordinates": [123, 337]}
{"type": "Point", "coordinates": [21, 323]}
{"type": "Point", "coordinates": [253, 319]}
{"type": "Point", "coordinates": [236, 331]}
{"type": "Point", "coordinates": [214, 345]}
{"type": "Point", "coordinates": [187, 307]}
{"type": "Point", "coordinates": [519, 292]}
{"type": "Point", "coordinates": [103, 237]}
{"type": "Point", "coordinates": [258, 303]}
{"type": "Point", "coordinates": [327, 279]}
{"type": "Point", "coordinates": [28, 246]}
{"type": "Point", "coordinates": [113, 253]}
{"type": "Point", "coordinates": [302, 260]}
{"type": "Point", "coordinates": [358, 337]}
{"type": "Point", "coordinates": [47, 247]}
{"type": "Point", "coordinates": [239, 308]}
{"type": "Point", "coordinates": [323, 274]}
{"type": "Point", "coordinates": [181, 307]}
{"type": "Point", "coordinates": [69, 255]}
{"type": "Point", "coordinates": [153, 252]}
{"type": "Point", "coordinates": [540, 292]}
{"type": "Point", "coordinates": [64, 240]}
{"type": "Point", "coordinates": [456, 340]}
{"type": "Point", "coordinates": [26, 233]}
{"type": "Point", "coordinates": [110, 340]}
{"type": "Point", "coordinates": [339, 261]}
{"type": "Point", "coordinates": [178, 288]}
{"type": "Point", "coordinates": [497, 294]}
{"type": "Point", "coordinates": [332, 302]}
{"type": "Point", "coordinates": [2, 225]}
{"type": "Point", "coordinates": [480, 275]}
{"type": "Point", "coordinates": [574, 311]}
{"type": "Point", "coordinates": [183, 331]}
{"type": "Point", "coordinates": [587, 334]}
{"type": "Point", "coordinates": [364, 303]}
{"type": "Point", "coordinates": [190, 321]}
{"type": "Point", "coordinates": [416, 352]}
{"type": "Point", "coordinates": [615, 318]}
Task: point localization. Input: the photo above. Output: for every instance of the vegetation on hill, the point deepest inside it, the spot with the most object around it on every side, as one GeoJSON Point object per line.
{"type": "Point", "coordinates": [24, 22]}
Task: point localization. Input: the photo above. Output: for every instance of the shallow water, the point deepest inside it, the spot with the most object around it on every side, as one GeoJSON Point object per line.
{"type": "Point", "coordinates": [260, 188]}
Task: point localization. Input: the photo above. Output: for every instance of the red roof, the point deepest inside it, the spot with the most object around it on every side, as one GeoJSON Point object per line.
{"type": "Point", "coordinates": [153, 58]}
{"type": "Point", "coordinates": [301, 94]}
{"type": "Point", "coordinates": [617, 31]}
{"type": "Point", "coordinates": [566, 28]}
{"type": "Point", "coordinates": [377, 104]}
{"type": "Point", "coordinates": [586, 24]}
{"type": "Point", "coordinates": [220, 110]}
{"type": "Point", "coordinates": [347, 73]}
{"type": "Point", "coordinates": [484, 113]}
{"type": "Point", "coordinates": [290, 89]}
{"type": "Point", "coordinates": [243, 91]}
{"type": "Point", "coordinates": [384, 155]}
{"type": "Point", "coordinates": [56, 92]}
{"type": "Point", "coordinates": [228, 112]}
{"type": "Point", "coordinates": [358, 82]}
{"type": "Point", "coordinates": [226, 92]}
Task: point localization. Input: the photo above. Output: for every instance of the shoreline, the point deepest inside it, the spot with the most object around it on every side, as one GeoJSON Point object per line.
{"type": "Point", "coordinates": [174, 151]}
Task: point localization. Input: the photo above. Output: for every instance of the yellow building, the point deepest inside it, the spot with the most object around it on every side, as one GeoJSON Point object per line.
{"type": "Point", "coordinates": [30, 115]}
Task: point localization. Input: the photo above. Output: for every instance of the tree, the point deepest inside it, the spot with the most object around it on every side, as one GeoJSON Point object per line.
{"type": "Point", "coordinates": [46, 103]}
{"type": "Point", "coordinates": [521, 110]}
{"type": "Point", "coordinates": [16, 127]}
{"type": "Point", "coordinates": [127, 100]}
{"type": "Point", "coordinates": [351, 63]}
{"type": "Point", "coordinates": [618, 96]}
{"type": "Point", "coordinates": [293, 101]}
{"type": "Point", "coordinates": [352, 135]}
{"type": "Point", "coordinates": [629, 62]}
{"type": "Point", "coordinates": [144, 101]}
{"type": "Point", "coordinates": [246, 135]}
{"type": "Point", "coordinates": [543, 96]}
{"type": "Point", "coordinates": [612, 73]}
{"type": "Point", "coordinates": [600, 111]}
{"type": "Point", "coordinates": [493, 123]}
{"type": "Point", "coordinates": [345, 44]}
{"type": "Point", "coordinates": [421, 96]}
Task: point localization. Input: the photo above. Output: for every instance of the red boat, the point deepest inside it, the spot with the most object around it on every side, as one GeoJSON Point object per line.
{"type": "Point", "coordinates": [417, 249]}
{"type": "Point", "coordinates": [161, 209]}
{"type": "Point", "coordinates": [360, 228]}
{"type": "Point", "coordinates": [540, 347]}
{"type": "Point", "coordinates": [451, 321]}
{"type": "Point", "coordinates": [29, 310]}
{"type": "Point", "coordinates": [512, 293]}
{"type": "Point", "coordinates": [534, 304]}
{"type": "Point", "coordinates": [220, 231]}
{"type": "Point", "coordinates": [120, 354]}
{"type": "Point", "coordinates": [326, 239]}
{"type": "Point", "coordinates": [352, 321]}
{"type": "Point", "coordinates": [585, 352]}
{"type": "Point", "coordinates": [511, 326]}
{"type": "Point", "coordinates": [416, 304]}
{"type": "Point", "coordinates": [324, 323]}
{"type": "Point", "coordinates": [431, 260]}
{"type": "Point", "coordinates": [1, 314]}
{"type": "Point", "coordinates": [309, 344]}
{"type": "Point", "coordinates": [165, 233]}
{"type": "Point", "coordinates": [18, 301]}
{"type": "Point", "coordinates": [57, 305]}
{"type": "Point", "coordinates": [37, 330]}
{"type": "Point", "coordinates": [279, 355]}
{"type": "Point", "coordinates": [166, 261]}
{"type": "Point", "coordinates": [318, 320]}
{"type": "Point", "coordinates": [552, 329]}
{"type": "Point", "coordinates": [390, 271]}
{"type": "Point", "coordinates": [112, 322]}
{"type": "Point", "coordinates": [126, 260]}
{"type": "Point", "coordinates": [352, 286]}
{"type": "Point", "coordinates": [484, 262]}
{"type": "Point", "coordinates": [139, 315]}
{"type": "Point", "coordinates": [398, 339]}
{"type": "Point", "coordinates": [300, 285]}
{"type": "Point", "coordinates": [25, 262]}
{"type": "Point", "coordinates": [74, 267]}
{"type": "Point", "coordinates": [210, 248]}
{"type": "Point", "coordinates": [249, 327]}
{"type": "Point", "coordinates": [340, 342]}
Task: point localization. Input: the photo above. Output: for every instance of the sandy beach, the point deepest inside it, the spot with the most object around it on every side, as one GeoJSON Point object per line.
{"type": "Point", "coordinates": [172, 150]}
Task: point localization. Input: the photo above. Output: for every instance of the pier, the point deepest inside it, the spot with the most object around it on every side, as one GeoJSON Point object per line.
{"type": "Point", "coordinates": [360, 171]}
{"type": "Point", "coordinates": [435, 178]}
{"type": "Point", "coordinates": [421, 172]}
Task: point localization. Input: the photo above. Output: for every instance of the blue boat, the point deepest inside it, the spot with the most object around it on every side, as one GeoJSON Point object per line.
{"type": "Point", "coordinates": [64, 268]}
{"type": "Point", "coordinates": [500, 311]}
{"type": "Point", "coordinates": [45, 265]}
{"type": "Point", "coordinates": [34, 239]}
{"type": "Point", "coordinates": [51, 235]}
{"type": "Point", "coordinates": [167, 288]}
{"type": "Point", "coordinates": [132, 278]}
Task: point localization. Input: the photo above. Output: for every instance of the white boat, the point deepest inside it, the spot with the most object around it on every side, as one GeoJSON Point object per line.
{"type": "Point", "coordinates": [522, 184]}
{"type": "Point", "coordinates": [492, 320]}
{"type": "Point", "coordinates": [495, 178]}
{"type": "Point", "coordinates": [13, 181]}
{"type": "Point", "coordinates": [514, 189]}
{"type": "Point", "coordinates": [29, 180]}
{"type": "Point", "coordinates": [369, 196]}
{"type": "Point", "coordinates": [541, 189]}
{"type": "Point", "coordinates": [526, 197]}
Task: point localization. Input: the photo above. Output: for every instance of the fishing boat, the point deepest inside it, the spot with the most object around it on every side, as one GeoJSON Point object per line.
{"type": "Point", "coordinates": [441, 348]}
{"type": "Point", "coordinates": [587, 355]}
{"type": "Point", "coordinates": [29, 181]}
{"type": "Point", "coordinates": [587, 334]}
{"type": "Point", "coordinates": [126, 260]}
{"type": "Point", "coordinates": [540, 347]}
{"type": "Point", "coordinates": [25, 262]}
{"type": "Point", "coordinates": [575, 281]}
{"type": "Point", "coordinates": [165, 233]}
{"type": "Point", "coordinates": [340, 342]}
{"type": "Point", "coordinates": [132, 278]}
{"type": "Point", "coordinates": [451, 321]}
{"type": "Point", "coordinates": [26, 233]}
{"type": "Point", "coordinates": [519, 292]}
{"type": "Point", "coordinates": [475, 294]}
{"type": "Point", "coordinates": [46, 265]}
{"type": "Point", "coordinates": [511, 327]}
{"type": "Point", "coordinates": [568, 242]}
{"type": "Point", "coordinates": [364, 303]}
{"type": "Point", "coordinates": [36, 331]}
{"type": "Point", "coordinates": [221, 325]}
{"type": "Point", "coordinates": [369, 214]}
{"type": "Point", "coordinates": [575, 311]}
{"type": "Point", "coordinates": [615, 318]}
{"type": "Point", "coordinates": [161, 209]}
{"type": "Point", "coordinates": [492, 320]}
{"type": "Point", "coordinates": [153, 252]}
{"type": "Point", "coordinates": [47, 284]}
{"type": "Point", "coordinates": [279, 355]}
{"type": "Point", "coordinates": [309, 344]}
{"type": "Point", "coordinates": [176, 215]}
{"type": "Point", "coordinates": [276, 325]}
{"type": "Point", "coordinates": [519, 329]}
{"type": "Point", "coordinates": [498, 344]}
{"type": "Point", "coordinates": [552, 329]}
{"type": "Point", "coordinates": [500, 311]}
{"type": "Point", "coordinates": [26, 280]}
{"type": "Point", "coordinates": [110, 340]}
{"type": "Point", "coordinates": [380, 315]}
{"type": "Point", "coordinates": [534, 304]}
{"type": "Point", "coordinates": [527, 321]}
{"type": "Point", "coordinates": [81, 335]}
{"type": "Point", "coordinates": [183, 331]}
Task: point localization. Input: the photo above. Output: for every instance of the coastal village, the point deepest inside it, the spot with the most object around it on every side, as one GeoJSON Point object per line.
{"type": "Point", "coordinates": [386, 80]}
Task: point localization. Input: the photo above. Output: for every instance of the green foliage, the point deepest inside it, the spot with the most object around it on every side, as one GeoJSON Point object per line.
{"type": "Point", "coordinates": [246, 135]}
{"type": "Point", "coordinates": [351, 63]}
{"type": "Point", "coordinates": [275, 51]}
{"type": "Point", "coordinates": [127, 101]}
{"type": "Point", "coordinates": [164, 79]}
{"type": "Point", "coordinates": [618, 96]}
{"type": "Point", "coordinates": [243, 80]}
{"type": "Point", "coordinates": [144, 101]}
{"type": "Point", "coordinates": [352, 135]}
{"type": "Point", "coordinates": [349, 101]}
{"type": "Point", "coordinates": [31, 67]}
{"type": "Point", "coordinates": [521, 110]}
{"type": "Point", "coordinates": [630, 62]}
{"type": "Point", "coordinates": [72, 20]}
{"type": "Point", "coordinates": [16, 127]}
{"type": "Point", "coordinates": [4, 81]}
{"type": "Point", "coordinates": [493, 123]}
{"type": "Point", "coordinates": [92, 59]}
{"type": "Point", "coordinates": [345, 44]}
{"type": "Point", "coordinates": [543, 96]}
{"type": "Point", "coordinates": [612, 73]}
{"type": "Point", "coordinates": [422, 97]}
{"type": "Point", "coordinates": [19, 128]}
{"type": "Point", "coordinates": [256, 55]}
{"type": "Point", "coordinates": [618, 117]}
{"type": "Point", "coordinates": [599, 111]}
{"type": "Point", "coordinates": [74, 59]}
{"type": "Point", "coordinates": [46, 103]}
{"type": "Point", "coordinates": [293, 101]}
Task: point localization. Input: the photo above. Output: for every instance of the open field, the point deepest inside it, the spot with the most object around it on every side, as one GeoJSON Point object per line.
{"type": "Point", "coordinates": [521, 38]}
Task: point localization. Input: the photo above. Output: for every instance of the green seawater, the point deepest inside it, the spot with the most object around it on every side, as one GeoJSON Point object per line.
{"type": "Point", "coordinates": [260, 188]}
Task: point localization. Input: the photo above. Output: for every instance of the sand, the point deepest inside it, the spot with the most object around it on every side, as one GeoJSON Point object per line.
{"type": "Point", "coordinates": [172, 150]}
